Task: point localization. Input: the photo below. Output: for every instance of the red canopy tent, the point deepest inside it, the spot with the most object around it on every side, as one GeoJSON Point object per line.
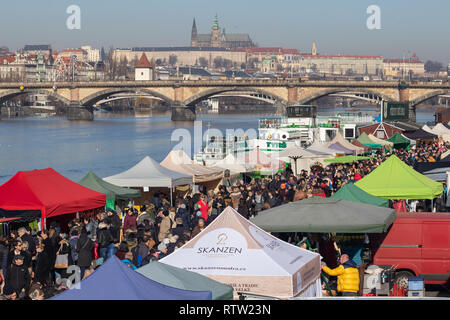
{"type": "Point", "coordinates": [48, 192]}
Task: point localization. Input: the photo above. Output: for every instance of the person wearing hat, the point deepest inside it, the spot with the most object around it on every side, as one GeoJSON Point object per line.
{"type": "Point", "coordinates": [18, 277]}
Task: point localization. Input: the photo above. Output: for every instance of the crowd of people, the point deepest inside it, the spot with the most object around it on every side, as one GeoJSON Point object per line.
{"type": "Point", "coordinates": [34, 264]}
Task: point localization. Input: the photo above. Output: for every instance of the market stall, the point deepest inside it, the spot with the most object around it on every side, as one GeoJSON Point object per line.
{"type": "Point", "coordinates": [179, 161]}
{"type": "Point", "coordinates": [344, 143]}
{"type": "Point", "coordinates": [186, 280]}
{"type": "Point", "coordinates": [46, 194]}
{"type": "Point", "coordinates": [303, 158]}
{"type": "Point", "coordinates": [325, 215]}
{"type": "Point", "coordinates": [347, 159]}
{"type": "Point", "coordinates": [350, 192]}
{"type": "Point", "coordinates": [114, 280]}
{"type": "Point", "coordinates": [365, 140]}
{"type": "Point", "coordinates": [394, 179]}
{"type": "Point", "coordinates": [399, 141]}
{"type": "Point", "coordinates": [112, 192]}
{"type": "Point", "coordinates": [232, 250]}
{"type": "Point", "coordinates": [150, 174]}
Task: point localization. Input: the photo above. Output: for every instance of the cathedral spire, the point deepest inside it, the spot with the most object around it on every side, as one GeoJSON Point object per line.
{"type": "Point", "coordinates": [216, 23]}
{"type": "Point", "coordinates": [194, 30]}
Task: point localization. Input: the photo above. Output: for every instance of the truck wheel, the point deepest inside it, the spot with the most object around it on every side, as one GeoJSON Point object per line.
{"type": "Point", "coordinates": [401, 278]}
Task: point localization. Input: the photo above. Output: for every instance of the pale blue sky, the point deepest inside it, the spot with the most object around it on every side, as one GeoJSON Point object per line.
{"type": "Point", "coordinates": [337, 26]}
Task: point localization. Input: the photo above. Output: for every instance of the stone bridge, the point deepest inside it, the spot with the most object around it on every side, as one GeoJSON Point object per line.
{"type": "Point", "coordinates": [183, 95]}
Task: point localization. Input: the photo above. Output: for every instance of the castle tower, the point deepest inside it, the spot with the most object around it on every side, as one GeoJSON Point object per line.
{"type": "Point", "coordinates": [314, 49]}
{"type": "Point", "coordinates": [216, 38]}
{"type": "Point", "coordinates": [194, 35]}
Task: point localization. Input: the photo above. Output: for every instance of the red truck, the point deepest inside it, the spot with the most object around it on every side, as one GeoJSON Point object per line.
{"type": "Point", "coordinates": [417, 244]}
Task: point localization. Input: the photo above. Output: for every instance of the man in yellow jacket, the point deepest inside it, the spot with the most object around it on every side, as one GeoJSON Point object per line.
{"type": "Point", "coordinates": [348, 276]}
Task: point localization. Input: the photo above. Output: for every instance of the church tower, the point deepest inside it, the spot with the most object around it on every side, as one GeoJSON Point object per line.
{"type": "Point", "coordinates": [314, 49]}
{"type": "Point", "coordinates": [194, 35]}
{"type": "Point", "coordinates": [216, 37]}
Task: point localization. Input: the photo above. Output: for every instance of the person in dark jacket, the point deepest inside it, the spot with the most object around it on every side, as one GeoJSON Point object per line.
{"type": "Point", "coordinates": [122, 250]}
{"type": "Point", "coordinates": [114, 225]}
{"type": "Point", "coordinates": [104, 239]}
{"type": "Point", "coordinates": [3, 256]}
{"type": "Point", "coordinates": [243, 208]}
{"type": "Point", "coordinates": [24, 236]}
{"type": "Point", "coordinates": [84, 248]}
{"type": "Point", "coordinates": [183, 214]}
{"type": "Point", "coordinates": [17, 250]}
{"type": "Point", "coordinates": [41, 271]}
{"type": "Point", "coordinates": [18, 277]}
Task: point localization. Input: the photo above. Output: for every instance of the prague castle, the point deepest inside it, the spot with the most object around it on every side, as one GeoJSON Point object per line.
{"type": "Point", "coordinates": [218, 38]}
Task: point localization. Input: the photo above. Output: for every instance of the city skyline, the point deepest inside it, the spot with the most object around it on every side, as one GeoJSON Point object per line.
{"type": "Point", "coordinates": [337, 28]}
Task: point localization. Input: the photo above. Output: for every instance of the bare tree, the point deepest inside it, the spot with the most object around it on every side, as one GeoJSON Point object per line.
{"type": "Point", "coordinates": [173, 59]}
{"type": "Point", "coordinates": [203, 62]}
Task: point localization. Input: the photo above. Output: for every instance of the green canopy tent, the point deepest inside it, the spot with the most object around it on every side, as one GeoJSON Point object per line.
{"type": "Point", "coordinates": [347, 159]}
{"type": "Point", "coordinates": [350, 192]}
{"type": "Point", "coordinates": [399, 141]}
{"type": "Point", "coordinates": [187, 280]}
{"type": "Point", "coordinates": [112, 192]}
{"type": "Point", "coordinates": [325, 215]}
{"type": "Point", "coordinates": [365, 140]}
{"type": "Point", "coordinates": [394, 179]}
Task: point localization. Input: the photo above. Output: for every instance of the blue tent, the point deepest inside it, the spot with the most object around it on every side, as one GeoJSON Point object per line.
{"type": "Point", "coordinates": [113, 280]}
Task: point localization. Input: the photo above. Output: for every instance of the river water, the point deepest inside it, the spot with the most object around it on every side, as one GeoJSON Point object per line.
{"type": "Point", "coordinates": [108, 145]}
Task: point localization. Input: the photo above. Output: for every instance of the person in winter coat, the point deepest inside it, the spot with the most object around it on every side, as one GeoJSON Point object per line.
{"type": "Point", "coordinates": [165, 225]}
{"type": "Point", "coordinates": [73, 242]}
{"type": "Point", "coordinates": [235, 197]}
{"type": "Point", "coordinates": [130, 221]}
{"type": "Point", "coordinates": [18, 277]}
{"type": "Point", "coordinates": [347, 274]}
{"type": "Point", "coordinates": [84, 248]}
{"type": "Point", "coordinates": [198, 228]}
{"type": "Point", "coordinates": [24, 236]}
{"type": "Point", "coordinates": [3, 256]}
{"type": "Point", "coordinates": [183, 214]}
{"type": "Point", "coordinates": [18, 250]}
{"type": "Point", "coordinates": [41, 271]}
{"type": "Point", "coordinates": [203, 206]}
{"type": "Point", "coordinates": [104, 240]}
{"type": "Point", "coordinates": [115, 224]}
{"type": "Point", "coordinates": [243, 208]}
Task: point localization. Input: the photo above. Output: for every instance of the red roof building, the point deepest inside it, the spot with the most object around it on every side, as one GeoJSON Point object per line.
{"type": "Point", "coordinates": [380, 130]}
{"type": "Point", "coordinates": [143, 62]}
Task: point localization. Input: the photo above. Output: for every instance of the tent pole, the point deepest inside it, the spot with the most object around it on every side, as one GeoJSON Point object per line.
{"type": "Point", "coordinates": [171, 201]}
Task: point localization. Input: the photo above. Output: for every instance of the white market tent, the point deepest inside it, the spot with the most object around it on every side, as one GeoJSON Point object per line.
{"type": "Point", "coordinates": [179, 161]}
{"type": "Point", "coordinates": [441, 131]}
{"type": "Point", "coordinates": [427, 129]}
{"type": "Point", "coordinates": [343, 142]}
{"type": "Point", "coordinates": [230, 162]}
{"type": "Point", "coordinates": [316, 146]}
{"type": "Point", "coordinates": [386, 144]}
{"type": "Point", "coordinates": [149, 174]}
{"type": "Point", "coordinates": [234, 251]}
{"type": "Point", "coordinates": [303, 158]}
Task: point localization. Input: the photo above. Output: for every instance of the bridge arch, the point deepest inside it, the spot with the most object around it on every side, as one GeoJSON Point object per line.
{"type": "Point", "coordinates": [326, 92]}
{"type": "Point", "coordinates": [10, 94]}
{"type": "Point", "coordinates": [193, 100]}
{"type": "Point", "coordinates": [427, 96]}
{"type": "Point", "coordinates": [102, 94]}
